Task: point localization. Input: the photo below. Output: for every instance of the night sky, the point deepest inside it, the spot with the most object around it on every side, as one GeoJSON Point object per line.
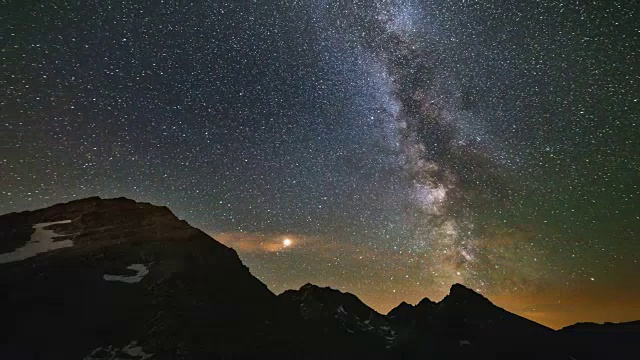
{"type": "Point", "coordinates": [398, 146]}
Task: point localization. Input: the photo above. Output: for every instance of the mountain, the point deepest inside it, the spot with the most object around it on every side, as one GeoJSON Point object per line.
{"type": "Point", "coordinates": [118, 279]}
{"type": "Point", "coordinates": [348, 323]}
{"type": "Point", "coordinates": [465, 323]}
{"type": "Point", "coordinates": [601, 341]}
{"type": "Point", "coordinates": [406, 315]}
{"type": "Point", "coordinates": [100, 279]}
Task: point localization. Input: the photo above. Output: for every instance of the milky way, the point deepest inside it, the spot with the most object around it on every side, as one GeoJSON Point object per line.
{"type": "Point", "coordinates": [436, 142]}
{"type": "Point", "coordinates": [398, 146]}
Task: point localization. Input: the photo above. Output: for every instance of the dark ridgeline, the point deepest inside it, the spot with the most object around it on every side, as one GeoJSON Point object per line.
{"type": "Point", "coordinates": [345, 322]}
{"type": "Point", "coordinates": [131, 280]}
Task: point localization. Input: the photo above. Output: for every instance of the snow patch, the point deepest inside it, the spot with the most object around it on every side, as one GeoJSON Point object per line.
{"type": "Point", "coordinates": [391, 336]}
{"type": "Point", "coordinates": [41, 241]}
{"type": "Point", "coordinates": [141, 272]}
{"type": "Point", "coordinates": [110, 353]}
{"type": "Point", "coordinates": [341, 310]}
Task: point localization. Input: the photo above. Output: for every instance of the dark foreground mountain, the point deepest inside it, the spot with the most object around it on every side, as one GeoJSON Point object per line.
{"type": "Point", "coordinates": [602, 341]}
{"type": "Point", "coordinates": [352, 325]}
{"type": "Point", "coordinates": [466, 323]}
{"type": "Point", "coordinates": [117, 279]}
{"type": "Point", "coordinates": [106, 279]}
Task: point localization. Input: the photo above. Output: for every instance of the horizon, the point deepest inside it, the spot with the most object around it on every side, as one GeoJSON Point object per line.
{"type": "Point", "coordinates": [390, 148]}
{"type": "Point", "coordinates": [527, 311]}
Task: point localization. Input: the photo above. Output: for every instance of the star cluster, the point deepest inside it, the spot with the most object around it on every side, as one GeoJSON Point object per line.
{"type": "Point", "coordinates": [388, 148]}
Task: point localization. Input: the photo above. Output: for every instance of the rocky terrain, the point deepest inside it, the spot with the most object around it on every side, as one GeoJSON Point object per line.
{"type": "Point", "coordinates": [130, 276]}
{"type": "Point", "coordinates": [117, 279]}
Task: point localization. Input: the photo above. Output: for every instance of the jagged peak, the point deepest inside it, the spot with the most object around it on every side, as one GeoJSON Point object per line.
{"type": "Point", "coordinates": [404, 304]}
{"type": "Point", "coordinates": [459, 287]}
{"type": "Point", "coordinates": [321, 289]}
{"type": "Point", "coordinates": [459, 290]}
{"type": "Point", "coordinates": [327, 295]}
{"type": "Point", "coordinates": [462, 294]}
{"type": "Point", "coordinates": [426, 302]}
{"type": "Point", "coordinates": [309, 286]}
{"type": "Point", "coordinates": [403, 307]}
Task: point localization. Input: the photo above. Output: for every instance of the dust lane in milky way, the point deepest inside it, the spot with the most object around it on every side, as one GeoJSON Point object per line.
{"type": "Point", "coordinates": [388, 148]}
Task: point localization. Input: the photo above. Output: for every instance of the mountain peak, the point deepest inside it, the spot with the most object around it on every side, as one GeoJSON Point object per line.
{"type": "Point", "coordinates": [310, 286]}
{"type": "Point", "coordinates": [341, 314]}
{"type": "Point", "coordinates": [461, 292]}
{"type": "Point", "coordinates": [328, 299]}
{"type": "Point", "coordinates": [460, 288]}
{"type": "Point", "coordinates": [401, 312]}
{"type": "Point", "coordinates": [426, 302]}
{"type": "Point", "coordinates": [312, 290]}
{"type": "Point", "coordinates": [140, 274]}
{"type": "Point", "coordinates": [404, 304]}
{"type": "Point", "coordinates": [402, 307]}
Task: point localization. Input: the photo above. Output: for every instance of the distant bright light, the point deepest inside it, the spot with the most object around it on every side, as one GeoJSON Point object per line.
{"type": "Point", "coordinates": [287, 242]}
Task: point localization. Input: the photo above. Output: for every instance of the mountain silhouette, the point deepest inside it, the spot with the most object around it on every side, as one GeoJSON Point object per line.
{"type": "Point", "coordinates": [348, 324]}
{"type": "Point", "coordinates": [195, 297]}
{"type": "Point", "coordinates": [465, 323]}
{"type": "Point", "coordinates": [602, 341]}
{"type": "Point", "coordinates": [114, 278]}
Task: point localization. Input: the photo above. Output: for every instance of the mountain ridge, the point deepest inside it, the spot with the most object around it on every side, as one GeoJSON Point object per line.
{"type": "Point", "coordinates": [143, 276]}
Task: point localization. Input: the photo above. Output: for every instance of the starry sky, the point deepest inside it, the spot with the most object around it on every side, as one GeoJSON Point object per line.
{"type": "Point", "coordinates": [398, 146]}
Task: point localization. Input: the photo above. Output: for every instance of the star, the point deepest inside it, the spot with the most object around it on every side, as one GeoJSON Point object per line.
{"type": "Point", "coordinates": [476, 142]}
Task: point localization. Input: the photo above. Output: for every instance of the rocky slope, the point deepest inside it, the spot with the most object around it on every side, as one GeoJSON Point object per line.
{"type": "Point", "coordinates": [128, 276]}
{"type": "Point", "coordinates": [353, 326]}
